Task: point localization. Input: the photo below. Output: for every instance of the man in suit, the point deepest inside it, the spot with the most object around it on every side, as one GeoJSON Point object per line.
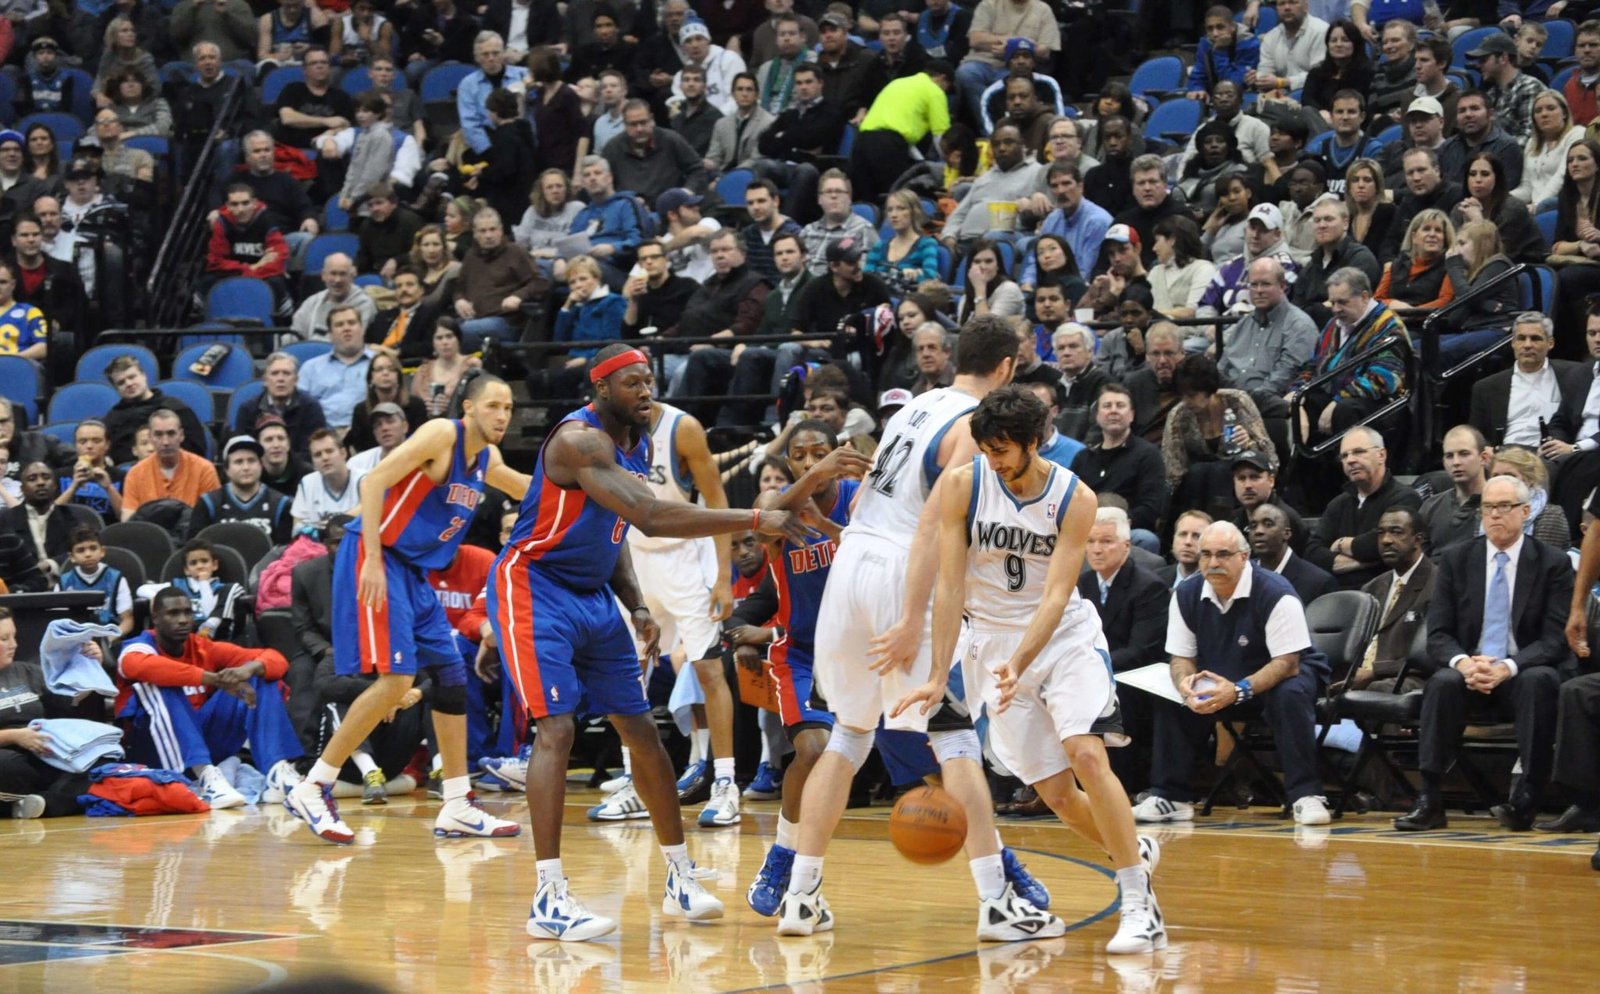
{"type": "Point", "coordinates": [1132, 602]}
{"type": "Point", "coordinates": [1538, 398]}
{"type": "Point", "coordinates": [407, 327]}
{"type": "Point", "coordinates": [1271, 534]}
{"type": "Point", "coordinates": [1496, 627]}
{"type": "Point", "coordinates": [1185, 548]}
{"type": "Point", "coordinates": [38, 520]}
{"type": "Point", "coordinates": [1579, 458]}
{"type": "Point", "coordinates": [1348, 529]}
{"type": "Point", "coordinates": [1125, 464]}
{"type": "Point", "coordinates": [1404, 593]}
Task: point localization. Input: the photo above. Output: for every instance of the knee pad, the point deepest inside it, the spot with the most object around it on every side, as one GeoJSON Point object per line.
{"type": "Point", "coordinates": [854, 746]}
{"type": "Point", "coordinates": [958, 744]}
{"type": "Point", "coordinates": [450, 699]}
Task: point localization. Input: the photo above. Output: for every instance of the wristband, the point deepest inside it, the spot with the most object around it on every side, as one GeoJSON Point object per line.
{"type": "Point", "coordinates": [1242, 689]}
{"type": "Point", "coordinates": [755, 520]}
{"type": "Point", "coordinates": [641, 607]}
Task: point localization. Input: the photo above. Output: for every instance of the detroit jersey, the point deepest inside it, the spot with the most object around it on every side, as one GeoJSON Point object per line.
{"type": "Point", "coordinates": [907, 465]}
{"type": "Point", "coordinates": [1009, 543]}
{"type": "Point", "coordinates": [570, 538]}
{"type": "Point", "coordinates": [801, 572]}
{"type": "Point", "coordinates": [665, 479]}
{"type": "Point", "coordinates": [424, 523]}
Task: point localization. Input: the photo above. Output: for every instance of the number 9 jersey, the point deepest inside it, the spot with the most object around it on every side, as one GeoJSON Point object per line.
{"type": "Point", "coordinates": [1009, 543]}
{"type": "Point", "coordinates": [907, 465]}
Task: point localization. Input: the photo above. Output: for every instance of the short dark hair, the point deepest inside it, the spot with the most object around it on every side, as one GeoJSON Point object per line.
{"type": "Point", "coordinates": [1413, 519]}
{"type": "Point", "coordinates": [1440, 47]}
{"type": "Point", "coordinates": [1196, 374]}
{"type": "Point", "coordinates": [373, 103]}
{"type": "Point", "coordinates": [478, 384]}
{"type": "Point", "coordinates": [807, 67]}
{"type": "Point", "coordinates": [502, 103]}
{"type": "Point", "coordinates": [167, 593]}
{"type": "Point", "coordinates": [320, 434]}
{"type": "Point", "coordinates": [692, 70]}
{"type": "Point", "coordinates": [1115, 387]}
{"type": "Point", "coordinates": [1472, 91]}
{"type": "Point", "coordinates": [763, 184]}
{"type": "Point", "coordinates": [82, 534]}
{"type": "Point", "coordinates": [1063, 169]}
{"type": "Point", "coordinates": [791, 236]}
{"type": "Point", "coordinates": [1296, 128]}
{"type": "Point", "coordinates": [820, 427]}
{"type": "Point", "coordinates": [239, 188]}
{"type": "Point", "coordinates": [985, 342]}
{"type": "Point", "coordinates": [1356, 95]}
{"type": "Point", "coordinates": [1012, 414]}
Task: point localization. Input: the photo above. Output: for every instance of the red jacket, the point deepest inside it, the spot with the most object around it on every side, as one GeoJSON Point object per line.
{"type": "Point", "coordinates": [236, 249]}
{"type": "Point", "coordinates": [141, 661]}
{"type": "Point", "coordinates": [1581, 99]}
{"type": "Point", "coordinates": [460, 587]}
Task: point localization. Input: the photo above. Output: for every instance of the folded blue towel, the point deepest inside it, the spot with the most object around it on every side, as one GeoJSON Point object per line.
{"type": "Point", "coordinates": [67, 671]}
{"type": "Point", "coordinates": [77, 745]}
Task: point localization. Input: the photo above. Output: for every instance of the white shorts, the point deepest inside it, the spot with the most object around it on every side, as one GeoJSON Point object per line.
{"type": "Point", "coordinates": [676, 585]}
{"type": "Point", "coordinates": [1067, 690]}
{"type": "Point", "coordinates": [865, 594]}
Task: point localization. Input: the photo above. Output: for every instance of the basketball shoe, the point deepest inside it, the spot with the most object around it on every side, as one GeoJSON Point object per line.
{"type": "Point", "coordinates": [767, 785]}
{"type": "Point", "coordinates": [464, 817]}
{"type": "Point", "coordinates": [313, 804]}
{"type": "Point", "coordinates": [375, 791]}
{"type": "Point", "coordinates": [621, 806]}
{"type": "Point", "coordinates": [1027, 885]}
{"type": "Point", "coordinates": [1141, 929]}
{"type": "Point", "coordinates": [686, 898]}
{"type": "Point", "coordinates": [695, 784]}
{"type": "Point", "coordinates": [723, 808]}
{"type": "Point", "coordinates": [1154, 810]}
{"type": "Point", "coordinates": [558, 916]}
{"type": "Point", "coordinates": [215, 790]}
{"type": "Point", "coordinates": [771, 883]}
{"type": "Point", "coordinates": [280, 779]}
{"type": "Point", "coordinates": [1149, 854]}
{"type": "Point", "coordinates": [505, 774]}
{"type": "Point", "coordinates": [615, 784]}
{"type": "Point", "coordinates": [1009, 918]}
{"type": "Point", "coordinates": [804, 914]}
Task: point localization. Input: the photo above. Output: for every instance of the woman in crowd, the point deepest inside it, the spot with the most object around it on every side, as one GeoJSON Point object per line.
{"type": "Point", "coordinates": [1223, 235]}
{"type": "Point", "coordinates": [44, 156]}
{"type": "Point", "coordinates": [1197, 428]}
{"type": "Point", "coordinates": [1544, 158]}
{"type": "Point", "coordinates": [436, 378]}
{"type": "Point", "coordinates": [989, 290]}
{"type": "Point", "coordinates": [591, 313]}
{"type": "Point", "coordinates": [1489, 200]}
{"type": "Point", "coordinates": [1052, 256]}
{"type": "Point", "coordinates": [458, 215]}
{"type": "Point", "coordinates": [40, 790]}
{"type": "Point", "coordinates": [907, 257]}
{"type": "Point", "coordinates": [386, 384]}
{"type": "Point", "coordinates": [1181, 271]}
{"type": "Point", "coordinates": [122, 53]}
{"type": "Point", "coordinates": [774, 476]}
{"type": "Point", "coordinates": [1576, 249]}
{"type": "Point", "coordinates": [1474, 260]}
{"type": "Point", "coordinates": [548, 220]}
{"type": "Point", "coordinates": [1370, 213]}
{"type": "Point", "coordinates": [1216, 154]}
{"type": "Point", "coordinates": [1344, 66]}
{"type": "Point", "coordinates": [355, 37]}
{"type": "Point", "coordinates": [1416, 277]}
{"type": "Point", "coordinates": [557, 113]}
{"type": "Point", "coordinates": [1114, 100]}
{"type": "Point", "coordinates": [915, 309]}
{"type": "Point", "coordinates": [1122, 348]}
{"type": "Point", "coordinates": [1546, 522]}
{"type": "Point", "coordinates": [431, 258]}
{"type": "Point", "coordinates": [139, 106]}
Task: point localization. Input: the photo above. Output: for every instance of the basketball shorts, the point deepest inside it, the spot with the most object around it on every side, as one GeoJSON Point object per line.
{"type": "Point", "coordinates": [676, 587]}
{"type": "Point", "coordinates": [1066, 691]}
{"type": "Point", "coordinates": [409, 630]}
{"type": "Point", "coordinates": [790, 664]}
{"type": "Point", "coordinates": [864, 597]}
{"type": "Point", "coordinates": [908, 756]}
{"type": "Point", "coordinates": [567, 651]}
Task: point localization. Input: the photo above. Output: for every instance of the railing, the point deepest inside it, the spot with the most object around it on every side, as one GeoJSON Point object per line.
{"type": "Point", "coordinates": [1382, 344]}
{"type": "Point", "coordinates": [1430, 333]}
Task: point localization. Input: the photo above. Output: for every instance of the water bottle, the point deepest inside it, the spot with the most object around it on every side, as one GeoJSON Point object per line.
{"type": "Point", "coordinates": [1230, 433]}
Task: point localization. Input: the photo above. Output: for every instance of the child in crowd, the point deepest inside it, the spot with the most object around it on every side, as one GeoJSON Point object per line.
{"type": "Point", "coordinates": [89, 572]}
{"type": "Point", "coordinates": [216, 603]}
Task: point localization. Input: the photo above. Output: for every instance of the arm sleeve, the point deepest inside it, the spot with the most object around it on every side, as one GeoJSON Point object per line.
{"type": "Point", "coordinates": [1180, 638]}
{"type": "Point", "coordinates": [141, 663]}
{"type": "Point", "coordinates": [1286, 627]}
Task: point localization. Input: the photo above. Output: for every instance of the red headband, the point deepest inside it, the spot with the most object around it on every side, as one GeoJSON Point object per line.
{"type": "Point", "coordinates": [616, 362]}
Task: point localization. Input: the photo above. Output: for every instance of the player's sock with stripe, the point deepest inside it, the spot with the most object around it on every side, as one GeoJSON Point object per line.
{"type": "Point", "coordinates": [788, 833]}
{"type": "Point", "coordinates": [627, 761]}
{"type": "Point", "coordinates": [323, 772]}
{"type": "Point", "coordinates": [722, 769]}
{"type": "Point", "coordinates": [989, 873]}
{"type": "Point", "coordinates": [456, 788]}
{"type": "Point", "coordinates": [549, 871]}
{"type": "Point", "coordinates": [363, 762]}
{"type": "Point", "coordinates": [678, 857]}
{"type": "Point", "coordinates": [806, 874]}
{"type": "Point", "coordinates": [1133, 880]}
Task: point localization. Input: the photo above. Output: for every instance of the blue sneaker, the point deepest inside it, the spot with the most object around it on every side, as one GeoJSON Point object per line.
{"type": "Point", "coordinates": [695, 784]}
{"type": "Point", "coordinates": [767, 785]}
{"type": "Point", "coordinates": [1027, 886]}
{"type": "Point", "coordinates": [767, 890]}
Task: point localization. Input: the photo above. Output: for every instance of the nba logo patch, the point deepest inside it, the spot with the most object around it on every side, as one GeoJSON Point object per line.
{"type": "Point", "coordinates": [1244, 640]}
{"type": "Point", "coordinates": [555, 693]}
{"type": "Point", "coordinates": [398, 657]}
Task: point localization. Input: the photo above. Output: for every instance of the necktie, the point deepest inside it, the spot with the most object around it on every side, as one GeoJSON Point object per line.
{"type": "Point", "coordinates": [1371, 658]}
{"type": "Point", "coordinates": [1104, 587]}
{"type": "Point", "coordinates": [397, 331]}
{"type": "Point", "coordinates": [1496, 638]}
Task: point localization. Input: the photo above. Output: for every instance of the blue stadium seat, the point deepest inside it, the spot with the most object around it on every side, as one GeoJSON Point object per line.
{"type": "Point", "coordinates": [731, 187]}
{"type": "Point", "coordinates": [368, 279]}
{"type": "Point", "coordinates": [1179, 118]}
{"type": "Point", "coordinates": [322, 246]}
{"type": "Point", "coordinates": [242, 396]}
{"type": "Point", "coordinates": [65, 127]}
{"type": "Point", "coordinates": [207, 332]}
{"type": "Point", "coordinates": [92, 364]}
{"type": "Point", "coordinates": [1266, 19]}
{"type": "Point", "coordinates": [200, 402]}
{"type": "Point", "coordinates": [235, 370]}
{"type": "Point", "coordinates": [1563, 35]}
{"type": "Point", "coordinates": [440, 84]}
{"type": "Point", "coordinates": [1546, 220]}
{"type": "Point", "coordinates": [240, 298]}
{"type": "Point", "coordinates": [1560, 80]}
{"type": "Point", "coordinates": [273, 86]}
{"type": "Point", "coordinates": [303, 351]}
{"type": "Point", "coordinates": [77, 401]}
{"type": "Point", "coordinates": [20, 382]}
{"type": "Point", "coordinates": [847, 142]}
{"type": "Point", "coordinates": [82, 94]}
{"type": "Point", "coordinates": [1164, 72]}
{"type": "Point", "coordinates": [335, 218]}
{"type": "Point", "coordinates": [61, 431]}
{"type": "Point", "coordinates": [154, 144]}
{"type": "Point", "coordinates": [8, 100]}
{"type": "Point", "coordinates": [865, 211]}
{"type": "Point", "coordinates": [947, 261]}
{"type": "Point", "coordinates": [1390, 135]}
{"type": "Point", "coordinates": [1544, 288]}
{"type": "Point", "coordinates": [358, 81]}
{"type": "Point", "coordinates": [1467, 42]}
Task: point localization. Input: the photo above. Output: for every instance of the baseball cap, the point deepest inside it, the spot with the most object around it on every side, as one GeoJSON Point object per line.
{"type": "Point", "coordinates": [1498, 43]}
{"type": "Point", "coordinates": [1425, 105]}
{"type": "Point", "coordinates": [834, 19]}
{"type": "Point", "coordinates": [388, 409]}
{"type": "Point", "coordinates": [242, 443]}
{"type": "Point", "coordinates": [79, 169]}
{"type": "Point", "coordinates": [1268, 214]}
{"type": "Point", "coordinates": [1250, 457]}
{"type": "Point", "coordinates": [89, 144]}
{"type": "Point", "coordinates": [693, 29]}
{"type": "Point", "coordinates": [12, 135]}
{"type": "Point", "coordinates": [897, 397]}
{"type": "Point", "coordinates": [674, 198]}
{"type": "Point", "coordinates": [267, 421]}
{"type": "Point", "coordinates": [1123, 234]}
{"type": "Point", "coordinates": [1015, 45]}
{"type": "Point", "coordinates": [844, 250]}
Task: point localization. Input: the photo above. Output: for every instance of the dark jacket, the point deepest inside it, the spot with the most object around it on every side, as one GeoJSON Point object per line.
{"type": "Point", "coordinates": [1134, 472]}
{"type": "Point", "coordinates": [799, 134]}
{"type": "Point", "coordinates": [311, 605]}
{"type": "Point", "coordinates": [844, 83]}
{"type": "Point", "coordinates": [1539, 604]}
{"type": "Point", "coordinates": [695, 128]}
{"type": "Point", "coordinates": [1346, 517]}
{"type": "Point", "coordinates": [1491, 398]}
{"type": "Point", "coordinates": [668, 162]}
{"type": "Point", "coordinates": [19, 567]}
{"type": "Point", "coordinates": [125, 419]}
{"type": "Point", "coordinates": [458, 34]}
{"type": "Point", "coordinates": [1077, 412]}
{"type": "Point", "coordinates": [661, 308]}
{"type": "Point", "coordinates": [288, 206]}
{"type": "Point", "coordinates": [1134, 616]}
{"type": "Point", "coordinates": [1149, 409]}
{"type": "Point", "coordinates": [417, 343]}
{"type": "Point", "coordinates": [391, 239]}
{"type": "Point", "coordinates": [1309, 581]}
{"type": "Point", "coordinates": [61, 296]}
{"type": "Point", "coordinates": [1310, 288]}
{"type": "Point", "coordinates": [1144, 221]}
{"type": "Point", "coordinates": [360, 435]}
{"type": "Point", "coordinates": [1520, 237]}
{"type": "Point", "coordinates": [57, 528]}
{"type": "Point", "coordinates": [513, 164]}
{"type": "Point", "coordinates": [1397, 629]}
{"type": "Point", "coordinates": [735, 299]}
{"type": "Point", "coordinates": [1455, 153]}
{"type": "Point", "coordinates": [1494, 309]}
{"type": "Point", "coordinates": [1408, 206]}
{"type": "Point", "coordinates": [302, 416]}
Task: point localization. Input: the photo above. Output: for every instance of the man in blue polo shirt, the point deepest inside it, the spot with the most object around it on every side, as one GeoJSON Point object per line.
{"type": "Point", "coordinates": [1236, 633]}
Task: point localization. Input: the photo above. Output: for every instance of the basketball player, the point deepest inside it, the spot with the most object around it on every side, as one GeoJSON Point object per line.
{"type": "Point", "coordinates": [800, 573]}
{"type": "Point", "coordinates": [562, 639]}
{"type": "Point", "coordinates": [416, 505]}
{"type": "Point", "coordinates": [676, 591]}
{"type": "Point", "coordinates": [880, 582]}
{"type": "Point", "coordinates": [1012, 531]}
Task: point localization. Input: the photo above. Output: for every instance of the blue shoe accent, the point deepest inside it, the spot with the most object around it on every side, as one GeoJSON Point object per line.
{"type": "Point", "coordinates": [492, 783]}
{"type": "Point", "coordinates": [1027, 886]}
{"type": "Point", "coordinates": [691, 774]}
{"type": "Point", "coordinates": [766, 786]}
{"type": "Point", "coordinates": [767, 890]}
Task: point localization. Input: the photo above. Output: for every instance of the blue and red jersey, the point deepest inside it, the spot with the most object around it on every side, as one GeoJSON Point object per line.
{"type": "Point", "coordinates": [801, 571]}
{"type": "Point", "coordinates": [424, 523]}
{"type": "Point", "coordinates": [565, 535]}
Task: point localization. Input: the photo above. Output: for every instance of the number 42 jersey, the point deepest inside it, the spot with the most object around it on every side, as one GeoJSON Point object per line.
{"type": "Point", "coordinates": [907, 466]}
{"type": "Point", "coordinates": [1009, 544]}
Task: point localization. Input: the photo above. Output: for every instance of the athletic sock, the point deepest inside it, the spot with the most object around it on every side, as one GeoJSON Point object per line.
{"type": "Point", "coordinates": [323, 771]}
{"type": "Point", "coordinates": [766, 747]}
{"type": "Point", "coordinates": [202, 770]}
{"type": "Point", "coordinates": [788, 833]}
{"type": "Point", "coordinates": [456, 788]}
{"type": "Point", "coordinates": [678, 857]}
{"type": "Point", "coordinates": [549, 871]}
{"type": "Point", "coordinates": [989, 874]}
{"type": "Point", "coordinates": [722, 769]}
{"type": "Point", "coordinates": [702, 745]}
{"type": "Point", "coordinates": [627, 762]}
{"type": "Point", "coordinates": [998, 840]}
{"type": "Point", "coordinates": [363, 762]}
{"type": "Point", "coordinates": [1133, 881]}
{"type": "Point", "coordinates": [806, 875]}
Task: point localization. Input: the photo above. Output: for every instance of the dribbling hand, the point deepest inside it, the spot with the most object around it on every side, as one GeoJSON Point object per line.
{"type": "Point", "coordinates": [648, 631]}
{"type": "Point", "coordinates": [930, 695]}
{"type": "Point", "coordinates": [895, 648]}
{"type": "Point", "coordinates": [776, 524]}
{"type": "Point", "coordinates": [372, 586]}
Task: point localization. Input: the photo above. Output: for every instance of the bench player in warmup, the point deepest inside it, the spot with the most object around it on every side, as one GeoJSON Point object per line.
{"type": "Point", "coordinates": [1011, 539]}
{"type": "Point", "coordinates": [416, 505]}
{"type": "Point", "coordinates": [562, 639]}
{"type": "Point", "coordinates": [876, 605]}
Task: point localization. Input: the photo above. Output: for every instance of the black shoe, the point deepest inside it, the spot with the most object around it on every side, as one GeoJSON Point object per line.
{"type": "Point", "coordinates": [1594, 861]}
{"type": "Point", "coordinates": [1425, 817]}
{"type": "Point", "coordinates": [1513, 817]}
{"type": "Point", "coordinates": [1574, 820]}
{"type": "Point", "coordinates": [697, 789]}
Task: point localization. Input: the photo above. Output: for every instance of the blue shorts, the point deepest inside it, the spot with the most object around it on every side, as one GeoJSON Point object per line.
{"type": "Point", "coordinates": [408, 631]}
{"type": "Point", "coordinates": [790, 663]}
{"type": "Point", "coordinates": [562, 646]}
{"type": "Point", "coordinates": [908, 756]}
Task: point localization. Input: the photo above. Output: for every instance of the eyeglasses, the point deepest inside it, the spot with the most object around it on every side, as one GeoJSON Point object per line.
{"type": "Point", "coordinates": [1501, 508]}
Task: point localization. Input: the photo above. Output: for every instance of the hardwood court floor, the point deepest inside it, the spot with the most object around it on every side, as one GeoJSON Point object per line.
{"type": "Point", "coordinates": [235, 900]}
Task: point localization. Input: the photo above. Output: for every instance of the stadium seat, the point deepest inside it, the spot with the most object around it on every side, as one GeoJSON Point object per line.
{"type": "Point", "coordinates": [1266, 19]}
{"type": "Point", "coordinates": [1163, 73]}
{"type": "Point", "coordinates": [1390, 135]}
{"type": "Point", "coordinates": [156, 145]}
{"type": "Point", "coordinates": [335, 218]}
{"type": "Point", "coordinates": [235, 370]}
{"type": "Point", "coordinates": [866, 212]}
{"type": "Point", "coordinates": [1563, 35]}
{"type": "Point", "coordinates": [847, 141]}
{"type": "Point", "coordinates": [1546, 220]}
{"type": "Point", "coordinates": [200, 402]}
{"type": "Point", "coordinates": [357, 81]}
{"type": "Point", "coordinates": [208, 332]}
{"type": "Point", "coordinates": [65, 127]}
{"type": "Point", "coordinates": [150, 542]}
{"type": "Point", "coordinates": [250, 542]}
{"type": "Point", "coordinates": [731, 187]}
{"type": "Point", "coordinates": [77, 401]}
{"type": "Point", "coordinates": [1174, 120]}
{"type": "Point", "coordinates": [61, 431]}
{"type": "Point", "coordinates": [92, 364]}
{"type": "Point", "coordinates": [368, 279]}
{"type": "Point", "coordinates": [273, 86]}
{"type": "Point", "coordinates": [441, 82]}
{"type": "Point", "coordinates": [322, 246]}
{"type": "Point", "coordinates": [240, 298]}
{"type": "Point", "coordinates": [231, 567]}
{"type": "Point", "coordinates": [8, 100]}
{"type": "Point", "coordinates": [242, 396]}
{"type": "Point", "coordinates": [1560, 80]}
{"type": "Point", "coordinates": [20, 382]}
{"type": "Point", "coordinates": [302, 351]}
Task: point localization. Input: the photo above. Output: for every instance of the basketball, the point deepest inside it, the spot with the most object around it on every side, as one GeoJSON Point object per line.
{"type": "Point", "coordinates": [927, 825]}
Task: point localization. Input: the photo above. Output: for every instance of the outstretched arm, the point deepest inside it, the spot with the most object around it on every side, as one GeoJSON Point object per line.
{"type": "Point", "coordinates": [505, 479]}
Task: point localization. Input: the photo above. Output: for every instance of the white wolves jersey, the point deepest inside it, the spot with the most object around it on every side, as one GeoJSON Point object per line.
{"type": "Point", "coordinates": [666, 478]}
{"type": "Point", "coordinates": [1009, 545]}
{"type": "Point", "coordinates": [907, 466]}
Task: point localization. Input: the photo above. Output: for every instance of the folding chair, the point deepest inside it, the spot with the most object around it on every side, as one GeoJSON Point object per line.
{"type": "Point", "coordinates": [250, 542]}
{"type": "Point", "coordinates": [151, 543]}
{"type": "Point", "coordinates": [1387, 720]}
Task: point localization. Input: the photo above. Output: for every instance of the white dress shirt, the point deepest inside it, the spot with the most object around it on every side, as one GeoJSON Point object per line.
{"type": "Point", "coordinates": [1489, 550]}
{"type": "Point", "coordinates": [1286, 633]}
{"type": "Point", "coordinates": [1591, 415]}
{"type": "Point", "coordinates": [1533, 396]}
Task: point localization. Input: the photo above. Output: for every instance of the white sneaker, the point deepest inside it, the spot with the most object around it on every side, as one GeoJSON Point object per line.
{"type": "Point", "coordinates": [615, 784]}
{"type": "Point", "coordinates": [1154, 810]}
{"type": "Point", "coordinates": [280, 780]}
{"type": "Point", "coordinates": [313, 804]}
{"type": "Point", "coordinates": [1141, 929]}
{"type": "Point", "coordinates": [621, 806]}
{"type": "Point", "coordinates": [558, 916]}
{"type": "Point", "coordinates": [723, 808]}
{"type": "Point", "coordinates": [686, 898]}
{"type": "Point", "coordinates": [1311, 810]}
{"type": "Point", "coordinates": [215, 790]}
{"type": "Point", "coordinates": [26, 805]}
{"type": "Point", "coordinates": [463, 817]}
{"type": "Point", "coordinates": [1009, 918]}
{"type": "Point", "coordinates": [804, 914]}
{"type": "Point", "coordinates": [506, 774]}
{"type": "Point", "coordinates": [1149, 854]}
